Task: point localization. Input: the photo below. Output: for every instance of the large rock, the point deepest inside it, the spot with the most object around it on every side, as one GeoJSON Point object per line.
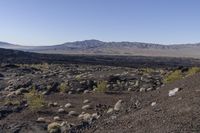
{"type": "Point", "coordinates": [110, 110]}
{"type": "Point", "coordinates": [61, 110]}
{"type": "Point", "coordinates": [73, 113]}
{"type": "Point", "coordinates": [87, 117]}
{"type": "Point", "coordinates": [40, 120]}
{"type": "Point", "coordinates": [54, 128]}
{"type": "Point", "coordinates": [86, 101]}
{"type": "Point", "coordinates": [173, 91]}
{"type": "Point", "coordinates": [86, 107]}
{"type": "Point", "coordinates": [118, 105]}
{"type": "Point", "coordinates": [56, 118]}
{"type": "Point", "coordinates": [68, 105]}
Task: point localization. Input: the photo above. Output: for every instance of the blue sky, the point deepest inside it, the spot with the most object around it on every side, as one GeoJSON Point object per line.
{"type": "Point", "coordinates": [49, 22]}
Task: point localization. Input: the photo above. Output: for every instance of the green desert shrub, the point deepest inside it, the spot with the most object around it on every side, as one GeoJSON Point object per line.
{"type": "Point", "coordinates": [173, 76]}
{"type": "Point", "coordinates": [147, 70]}
{"type": "Point", "coordinates": [64, 87]}
{"type": "Point", "coordinates": [193, 71]}
{"type": "Point", "coordinates": [35, 100]}
{"type": "Point", "coordinates": [101, 86]}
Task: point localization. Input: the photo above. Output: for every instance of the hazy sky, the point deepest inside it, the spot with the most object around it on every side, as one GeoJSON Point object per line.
{"type": "Point", "coordinates": [48, 22]}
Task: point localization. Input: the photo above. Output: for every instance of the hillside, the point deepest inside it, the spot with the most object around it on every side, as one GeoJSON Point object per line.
{"type": "Point", "coordinates": [96, 47]}
{"type": "Point", "coordinates": [78, 98]}
{"type": "Point", "coordinates": [178, 113]}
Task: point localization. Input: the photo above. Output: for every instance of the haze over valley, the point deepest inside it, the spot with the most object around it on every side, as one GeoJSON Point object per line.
{"type": "Point", "coordinates": [96, 47]}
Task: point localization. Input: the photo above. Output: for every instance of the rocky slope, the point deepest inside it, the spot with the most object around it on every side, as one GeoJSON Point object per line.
{"type": "Point", "coordinates": [60, 98]}
{"type": "Point", "coordinates": [70, 93]}
{"type": "Point", "coordinates": [158, 111]}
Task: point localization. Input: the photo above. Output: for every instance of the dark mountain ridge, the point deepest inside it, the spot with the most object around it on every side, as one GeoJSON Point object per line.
{"type": "Point", "coordinates": [96, 47]}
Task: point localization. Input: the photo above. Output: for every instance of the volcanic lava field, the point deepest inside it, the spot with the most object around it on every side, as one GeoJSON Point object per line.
{"type": "Point", "coordinates": [42, 93]}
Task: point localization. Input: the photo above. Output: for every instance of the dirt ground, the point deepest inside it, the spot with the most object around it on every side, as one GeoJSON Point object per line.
{"type": "Point", "coordinates": [144, 102]}
{"type": "Point", "coordinates": [176, 114]}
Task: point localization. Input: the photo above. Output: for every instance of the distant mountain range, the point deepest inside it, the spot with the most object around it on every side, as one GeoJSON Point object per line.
{"type": "Point", "coordinates": [96, 47]}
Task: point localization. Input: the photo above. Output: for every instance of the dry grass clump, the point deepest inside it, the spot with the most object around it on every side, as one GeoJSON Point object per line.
{"type": "Point", "coordinates": [193, 71]}
{"type": "Point", "coordinates": [64, 87]}
{"type": "Point", "coordinates": [35, 100]}
{"type": "Point", "coordinates": [101, 86]}
{"type": "Point", "coordinates": [173, 76]}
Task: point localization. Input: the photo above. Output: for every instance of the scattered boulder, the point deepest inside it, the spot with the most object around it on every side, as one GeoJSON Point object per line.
{"type": "Point", "coordinates": [87, 117]}
{"type": "Point", "coordinates": [173, 92]}
{"type": "Point", "coordinates": [68, 105]}
{"type": "Point", "coordinates": [20, 91]}
{"type": "Point", "coordinates": [153, 103]}
{"type": "Point", "coordinates": [55, 104]}
{"type": "Point", "coordinates": [110, 110]}
{"type": "Point", "coordinates": [41, 120]}
{"type": "Point", "coordinates": [95, 116]}
{"type": "Point", "coordinates": [130, 89]}
{"type": "Point", "coordinates": [54, 128]}
{"type": "Point", "coordinates": [64, 123]}
{"type": "Point", "coordinates": [81, 115]}
{"type": "Point", "coordinates": [11, 94]}
{"type": "Point", "coordinates": [149, 89]}
{"type": "Point", "coordinates": [61, 110]}
{"type": "Point", "coordinates": [56, 118]}
{"type": "Point", "coordinates": [70, 92]}
{"type": "Point", "coordinates": [50, 104]}
{"type": "Point", "coordinates": [10, 107]}
{"type": "Point", "coordinates": [73, 113]}
{"type": "Point", "coordinates": [86, 107]}
{"type": "Point", "coordinates": [86, 101]}
{"type": "Point", "coordinates": [118, 105]}
{"type": "Point", "coordinates": [86, 91]}
{"type": "Point", "coordinates": [142, 89]}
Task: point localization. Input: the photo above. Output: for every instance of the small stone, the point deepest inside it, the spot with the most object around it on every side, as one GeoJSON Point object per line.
{"type": "Point", "coordinates": [56, 118]}
{"type": "Point", "coordinates": [95, 116]}
{"type": "Point", "coordinates": [41, 119]}
{"type": "Point", "coordinates": [142, 89]}
{"type": "Point", "coordinates": [68, 105]}
{"type": "Point", "coordinates": [45, 93]}
{"type": "Point", "coordinates": [87, 117]}
{"type": "Point", "coordinates": [113, 117]}
{"type": "Point", "coordinates": [149, 89]}
{"type": "Point", "coordinates": [70, 92]}
{"type": "Point", "coordinates": [64, 123]}
{"type": "Point", "coordinates": [118, 105]}
{"type": "Point", "coordinates": [130, 89]}
{"type": "Point", "coordinates": [86, 101]}
{"type": "Point", "coordinates": [173, 92]}
{"type": "Point", "coordinates": [55, 104]}
{"type": "Point", "coordinates": [86, 107]}
{"type": "Point", "coordinates": [86, 91]}
{"type": "Point", "coordinates": [81, 115]}
{"type": "Point", "coordinates": [73, 113]}
{"type": "Point", "coordinates": [18, 92]}
{"type": "Point", "coordinates": [153, 103]}
{"type": "Point", "coordinates": [11, 94]}
{"type": "Point", "coordinates": [50, 104]}
{"type": "Point", "coordinates": [61, 110]}
{"type": "Point", "coordinates": [110, 110]}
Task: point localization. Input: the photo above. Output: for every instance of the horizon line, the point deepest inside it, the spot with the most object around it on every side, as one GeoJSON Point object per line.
{"type": "Point", "coordinates": [19, 44]}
